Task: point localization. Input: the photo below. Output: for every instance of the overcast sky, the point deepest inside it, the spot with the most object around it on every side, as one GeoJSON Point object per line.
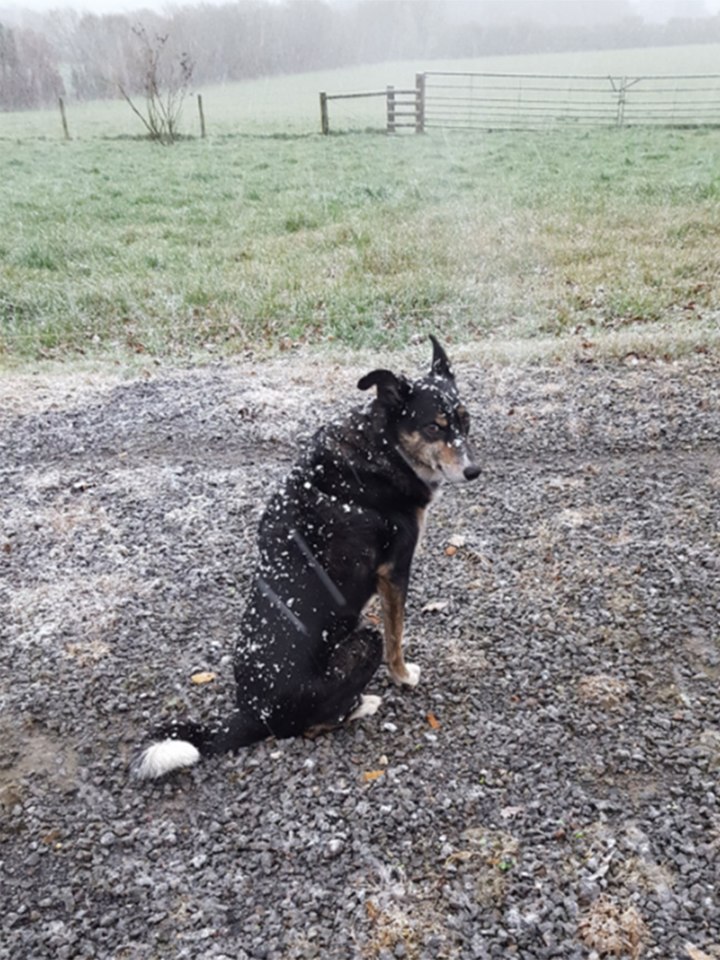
{"type": "Point", "coordinates": [653, 9]}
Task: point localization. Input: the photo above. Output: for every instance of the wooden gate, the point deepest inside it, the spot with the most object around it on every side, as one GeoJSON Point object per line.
{"type": "Point", "coordinates": [404, 108]}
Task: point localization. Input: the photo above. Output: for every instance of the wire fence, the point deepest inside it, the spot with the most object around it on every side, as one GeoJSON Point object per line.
{"type": "Point", "coordinates": [499, 101]}
{"type": "Point", "coordinates": [503, 100]}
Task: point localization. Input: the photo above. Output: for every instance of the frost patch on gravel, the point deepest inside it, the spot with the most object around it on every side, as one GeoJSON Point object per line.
{"type": "Point", "coordinates": [74, 613]}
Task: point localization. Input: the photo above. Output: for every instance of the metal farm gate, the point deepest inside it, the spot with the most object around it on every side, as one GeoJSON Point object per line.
{"type": "Point", "coordinates": [501, 101]}
{"type": "Point", "coordinates": [506, 100]}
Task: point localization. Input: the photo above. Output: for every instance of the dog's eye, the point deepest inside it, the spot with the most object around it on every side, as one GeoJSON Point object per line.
{"type": "Point", "coordinates": [433, 431]}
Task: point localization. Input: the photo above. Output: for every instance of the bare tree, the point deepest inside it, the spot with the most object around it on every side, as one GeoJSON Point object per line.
{"type": "Point", "coordinates": [164, 80]}
{"type": "Point", "coordinates": [29, 75]}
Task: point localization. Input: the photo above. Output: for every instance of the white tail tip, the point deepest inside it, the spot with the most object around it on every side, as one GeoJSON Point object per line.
{"type": "Point", "coordinates": [164, 757]}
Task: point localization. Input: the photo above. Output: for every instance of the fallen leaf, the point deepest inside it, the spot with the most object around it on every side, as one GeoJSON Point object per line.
{"type": "Point", "coordinates": [435, 606]}
{"type": "Point", "coordinates": [696, 954]}
{"type": "Point", "coordinates": [371, 775]}
{"type": "Point", "coordinates": [433, 721]}
{"type": "Point", "coordinates": [202, 677]}
{"type": "Point", "coordinates": [450, 551]}
{"type": "Point", "coordinates": [460, 856]}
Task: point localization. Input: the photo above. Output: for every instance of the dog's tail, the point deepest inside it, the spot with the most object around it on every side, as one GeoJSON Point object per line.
{"type": "Point", "coordinates": [183, 743]}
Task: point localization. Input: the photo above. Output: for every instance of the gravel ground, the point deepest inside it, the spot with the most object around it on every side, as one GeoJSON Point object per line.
{"type": "Point", "coordinates": [548, 791]}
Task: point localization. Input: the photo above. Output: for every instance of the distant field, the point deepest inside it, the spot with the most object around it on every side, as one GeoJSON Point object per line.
{"type": "Point", "coordinates": [268, 233]}
{"type": "Point", "coordinates": [290, 104]}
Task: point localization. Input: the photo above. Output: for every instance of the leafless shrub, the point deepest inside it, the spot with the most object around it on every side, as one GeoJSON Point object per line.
{"type": "Point", "coordinates": [164, 81]}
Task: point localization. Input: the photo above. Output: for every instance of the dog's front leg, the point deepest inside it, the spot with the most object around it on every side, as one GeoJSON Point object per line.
{"type": "Point", "coordinates": [392, 595]}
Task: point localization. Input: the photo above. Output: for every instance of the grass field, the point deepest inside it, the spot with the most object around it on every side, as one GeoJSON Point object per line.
{"type": "Point", "coordinates": [267, 233]}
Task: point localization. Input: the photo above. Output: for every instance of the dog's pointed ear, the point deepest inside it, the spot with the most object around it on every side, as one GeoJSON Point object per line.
{"type": "Point", "coordinates": [440, 364]}
{"type": "Point", "coordinates": [392, 391]}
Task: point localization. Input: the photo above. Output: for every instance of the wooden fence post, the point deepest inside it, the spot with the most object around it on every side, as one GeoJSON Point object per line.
{"type": "Point", "coordinates": [202, 115]}
{"type": "Point", "coordinates": [324, 121]}
{"type": "Point", "coordinates": [419, 103]}
{"type": "Point", "coordinates": [622, 96]}
{"type": "Point", "coordinates": [61, 102]}
{"type": "Point", "coordinates": [390, 96]}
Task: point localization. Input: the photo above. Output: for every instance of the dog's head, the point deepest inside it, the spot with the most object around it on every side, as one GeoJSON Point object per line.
{"type": "Point", "coordinates": [428, 419]}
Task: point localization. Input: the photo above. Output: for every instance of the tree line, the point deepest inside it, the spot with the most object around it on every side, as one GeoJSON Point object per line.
{"type": "Point", "coordinates": [87, 56]}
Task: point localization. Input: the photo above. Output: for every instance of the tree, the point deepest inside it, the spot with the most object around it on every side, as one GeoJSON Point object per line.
{"type": "Point", "coordinates": [29, 76]}
{"type": "Point", "coordinates": [164, 80]}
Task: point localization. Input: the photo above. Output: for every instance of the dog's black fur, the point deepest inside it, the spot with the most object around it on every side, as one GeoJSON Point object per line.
{"type": "Point", "coordinates": [343, 527]}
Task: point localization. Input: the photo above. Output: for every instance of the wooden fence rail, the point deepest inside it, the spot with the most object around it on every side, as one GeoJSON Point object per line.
{"type": "Point", "coordinates": [326, 97]}
{"type": "Point", "coordinates": [403, 108]}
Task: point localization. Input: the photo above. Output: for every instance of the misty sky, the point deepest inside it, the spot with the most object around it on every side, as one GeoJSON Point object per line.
{"type": "Point", "coordinates": [652, 9]}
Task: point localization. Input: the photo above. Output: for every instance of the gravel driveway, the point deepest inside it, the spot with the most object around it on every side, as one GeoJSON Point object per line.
{"type": "Point", "coordinates": [550, 790]}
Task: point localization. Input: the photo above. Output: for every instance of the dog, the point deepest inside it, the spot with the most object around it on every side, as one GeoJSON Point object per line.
{"type": "Point", "coordinates": [342, 528]}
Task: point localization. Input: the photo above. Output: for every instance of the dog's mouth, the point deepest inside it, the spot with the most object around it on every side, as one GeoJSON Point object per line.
{"type": "Point", "coordinates": [460, 473]}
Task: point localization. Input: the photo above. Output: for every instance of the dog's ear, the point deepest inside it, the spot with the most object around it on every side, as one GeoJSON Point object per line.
{"type": "Point", "coordinates": [392, 391]}
{"type": "Point", "coordinates": [440, 364]}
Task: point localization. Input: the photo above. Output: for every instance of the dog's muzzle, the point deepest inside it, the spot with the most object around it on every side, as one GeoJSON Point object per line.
{"type": "Point", "coordinates": [470, 469]}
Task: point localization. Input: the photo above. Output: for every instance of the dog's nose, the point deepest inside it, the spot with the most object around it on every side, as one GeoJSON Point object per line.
{"type": "Point", "coordinates": [472, 472]}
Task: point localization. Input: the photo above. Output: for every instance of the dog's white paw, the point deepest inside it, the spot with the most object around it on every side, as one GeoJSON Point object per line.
{"type": "Point", "coordinates": [410, 678]}
{"type": "Point", "coordinates": [369, 704]}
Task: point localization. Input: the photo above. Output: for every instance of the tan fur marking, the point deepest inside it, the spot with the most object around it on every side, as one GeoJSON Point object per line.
{"type": "Point", "coordinates": [432, 460]}
{"type": "Point", "coordinates": [420, 451]}
{"type": "Point", "coordinates": [393, 610]}
{"type": "Point", "coordinates": [421, 515]}
{"type": "Point", "coordinates": [449, 455]}
{"type": "Point", "coordinates": [412, 444]}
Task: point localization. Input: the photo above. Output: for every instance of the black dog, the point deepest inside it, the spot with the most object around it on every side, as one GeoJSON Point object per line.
{"type": "Point", "coordinates": [343, 527]}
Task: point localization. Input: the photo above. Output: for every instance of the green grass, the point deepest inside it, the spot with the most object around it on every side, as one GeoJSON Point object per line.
{"type": "Point", "coordinates": [117, 245]}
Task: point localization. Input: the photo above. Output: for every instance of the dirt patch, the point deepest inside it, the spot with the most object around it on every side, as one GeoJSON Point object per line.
{"type": "Point", "coordinates": [27, 751]}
